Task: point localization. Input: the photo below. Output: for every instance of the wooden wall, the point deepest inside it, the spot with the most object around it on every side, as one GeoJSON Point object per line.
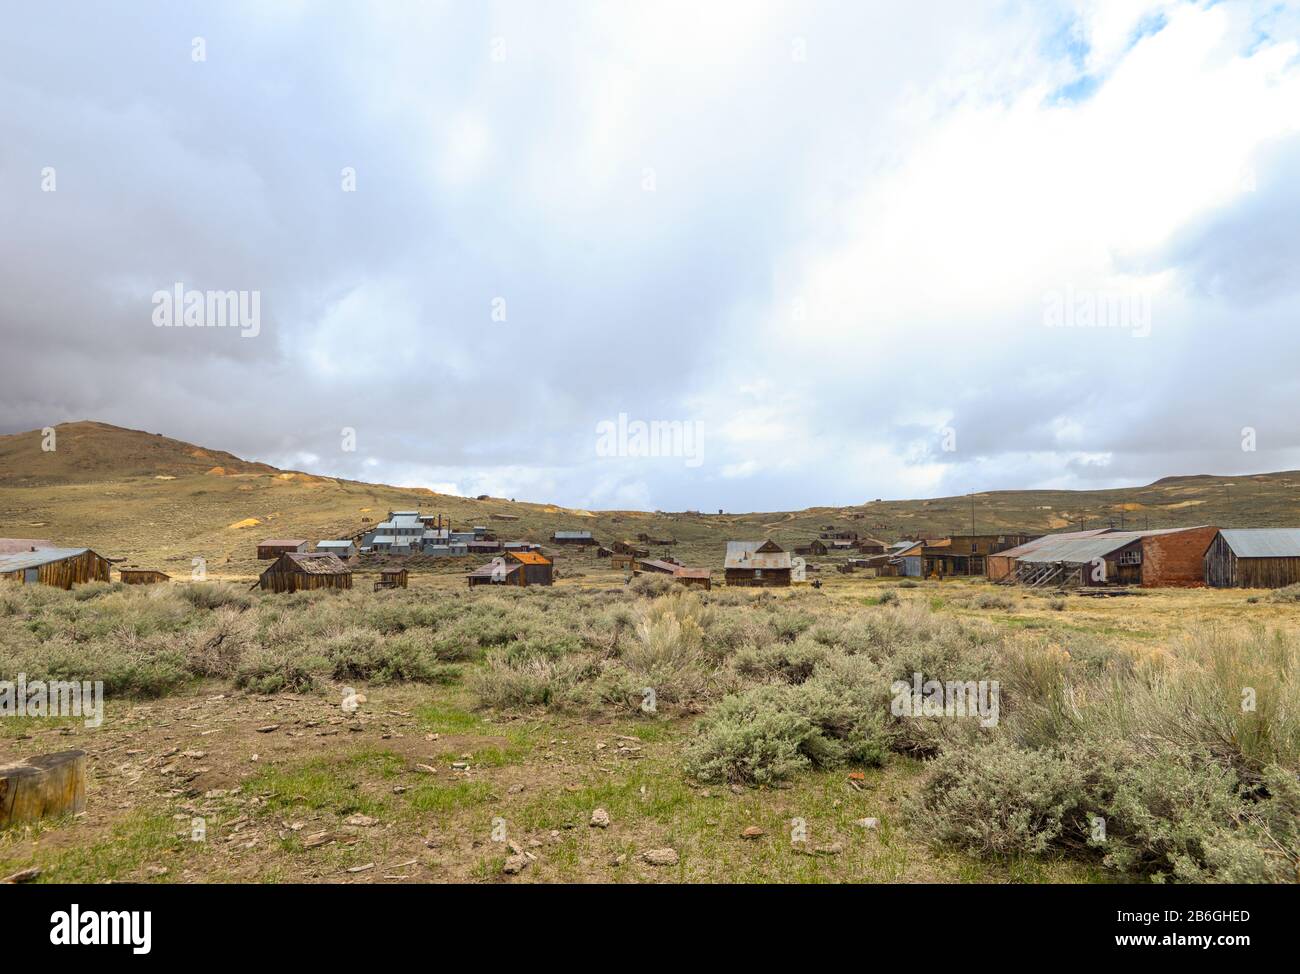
{"type": "Point", "coordinates": [77, 570]}
{"type": "Point", "coordinates": [772, 577]}
{"type": "Point", "coordinates": [1223, 569]}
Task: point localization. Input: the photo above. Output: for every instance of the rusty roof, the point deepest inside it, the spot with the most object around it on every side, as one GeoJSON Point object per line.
{"type": "Point", "coordinates": [683, 572]}
{"type": "Point", "coordinates": [529, 558]}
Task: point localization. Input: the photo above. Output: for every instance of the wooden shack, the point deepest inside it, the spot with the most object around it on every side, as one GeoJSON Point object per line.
{"type": "Point", "coordinates": [760, 564]}
{"type": "Point", "coordinates": [392, 578]}
{"type": "Point", "coordinates": [629, 548]}
{"type": "Point", "coordinates": [275, 547]}
{"type": "Point", "coordinates": [624, 562]}
{"type": "Point", "coordinates": [521, 568]}
{"type": "Point", "coordinates": [1253, 558]}
{"type": "Point", "coordinates": [59, 567]}
{"type": "Point", "coordinates": [296, 571]}
{"type": "Point", "coordinates": [656, 566]}
{"type": "Point", "coordinates": [142, 576]}
{"type": "Point", "coordinates": [967, 554]}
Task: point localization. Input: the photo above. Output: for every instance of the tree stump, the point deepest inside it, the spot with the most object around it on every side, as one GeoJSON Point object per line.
{"type": "Point", "coordinates": [42, 786]}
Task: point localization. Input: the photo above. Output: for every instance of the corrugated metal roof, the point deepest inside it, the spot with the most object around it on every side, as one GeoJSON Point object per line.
{"type": "Point", "coordinates": [1263, 542]}
{"type": "Point", "coordinates": [572, 534]}
{"type": "Point", "coordinates": [745, 554]}
{"type": "Point", "coordinates": [333, 544]}
{"type": "Point", "coordinates": [692, 572]}
{"type": "Point", "coordinates": [35, 559]}
{"type": "Point", "coordinates": [283, 541]}
{"type": "Point", "coordinates": [1080, 546]}
{"type": "Point", "coordinates": [663, 566]}
{"type": "Point", "coordinates": [1029, 546]}
{"type": "Point", "coordinates": [495, 568]}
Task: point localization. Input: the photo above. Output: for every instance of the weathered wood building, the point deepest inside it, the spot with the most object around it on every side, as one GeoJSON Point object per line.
{"type": "Point", "coordinates": [142, 576]}
{"type": "Point", "coordinates": [59, 567]}
{"type": "Point", "coordinates": [275, 547]}
{"type": "Point", "coordinates": [761, 564]}
{"type": "Point", "coordinates": [521, 568]}
{"type": "Point", "coordinates": [392, 578]}
{"type": "Point", "coordinates": [581, 538]}
{"type": "Point", "coordinates": [967, 554]}
{"type": "Point", "coordinates": [296, 571]}
{"type": "Point", "coordinates": [1253, 558]}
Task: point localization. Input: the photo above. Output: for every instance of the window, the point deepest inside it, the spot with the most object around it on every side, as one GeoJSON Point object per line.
{"type": "Point", "coordinates": [1132, 557]}
{"type": "Point", "coordinates": [758, 573]}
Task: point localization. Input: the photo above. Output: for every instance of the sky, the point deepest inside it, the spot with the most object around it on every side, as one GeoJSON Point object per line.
{"type": "Point", "coordinates": [671, 255]}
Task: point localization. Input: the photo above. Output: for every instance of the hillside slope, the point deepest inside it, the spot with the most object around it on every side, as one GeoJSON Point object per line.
{"type": "Point", "coordinates": [156, 500]}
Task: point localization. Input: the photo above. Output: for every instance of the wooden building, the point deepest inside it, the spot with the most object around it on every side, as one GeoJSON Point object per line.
{"type": "Point", "coordinates": [296, 571]}
{"type": "Point", "coordinates": [392, 578]}
{"type": "Point", "coordinates": [521, 568]}
{"type": "Point", "coordinates": [761, 564]}
{"type": "Point", "coordinates": [1002, 564]}
{"type": "Point", "coordinates": [694, 577]}
{"type": "Point", "coordinates": [59, 567]}
{"type": "Point", "coordinates": [629, 548]}
{"type": "Point", "coordinates": [967, 554]}
{"type": "Point", "coordinates": [1253, 558]}
{"type": "Point", "coordinates": [872, 546]}
{"type": "Point", "coordinates": [275, 547]}
{"type": "Point", "coordinates": [624, 562]}
{"type": "Point", "coordinates": [815, 547]}
{"type": "Point", "coordinates": [142, 576]}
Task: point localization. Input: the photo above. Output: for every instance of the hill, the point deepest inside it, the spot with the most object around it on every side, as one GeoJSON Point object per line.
{"type": "Point", "coordinates": [156, 500]}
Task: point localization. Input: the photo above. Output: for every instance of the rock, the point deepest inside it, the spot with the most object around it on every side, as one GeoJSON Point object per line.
{"type": "Point", "coordinates": [869, 823]}
{"type": "Point", "coordinates": [22, 876]}
{"type": "Point", "coordinates": [268, 728]}
{"type": "Point", "coordinates": [751, 832]}
{"type": "Point", "coordinates": [460, 766]}
{"type": "Point", "coordinates": [600, 819]}
{"type": "Point", "coordinates": [515, 865]}
{"type": "Point", "coordinates": [364, 821]}
{"type": "Point", "coordinates": [42, 786]}
{"type": "Point", "coordinates": [660, 857]}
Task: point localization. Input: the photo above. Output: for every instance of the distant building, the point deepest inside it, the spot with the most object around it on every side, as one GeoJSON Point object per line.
{"type": "Point", "coordinates": [1253, 558]}
{"type": "Point", "coordinates": [58, 567]}
{"type": "Point", "coordinates": [392, 578]}
{"type": "Point", "coordinates": [344, 549]}
{"type": "Point", "coordinates": [573, 537]}
{"type": "Point", "coordinates": [142, 576]}
{"type": "Point", "coordinates": [275, 547]}
{"type": "Point", "coordinates": [297, 571]}
{"type": "Point", "coordinates": [967, 554]}
{"type": "Point", "coordinates": [762, 564]}
{"type": "Point", "coordinates": [521, 568]}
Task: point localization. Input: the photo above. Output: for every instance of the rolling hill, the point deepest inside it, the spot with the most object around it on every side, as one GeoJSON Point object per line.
{"type": "Point", "coordinates": [159, 501]}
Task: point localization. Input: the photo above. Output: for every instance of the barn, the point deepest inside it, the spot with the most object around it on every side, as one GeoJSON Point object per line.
{"type": "Point", "coordinates": [275, 547]}
{"type": "Point", "coordinates": [763, 564]}
{"type": "Point", "coordinates": [59, 567]}
{"type": "Point", "coordinates": [656, 566]}
{"type": "Point", "coordinates": [142, 576]}
{"type": "Point", "coordinates": [1253, 558]}
{"type": "Point", "coordinates": [296, 571]}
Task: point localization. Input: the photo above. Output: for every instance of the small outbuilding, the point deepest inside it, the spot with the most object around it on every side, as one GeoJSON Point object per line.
{"type": "Point", "coordinates": [142, 576]}
{"type": "Point", "coordinates": [573, 538]}
{"type": "Point", "coordinates": [297, 571]}
{"type": "Point", "coordinates": [521, 568]}
{"type": "Point", "coordinates": [392, 578]}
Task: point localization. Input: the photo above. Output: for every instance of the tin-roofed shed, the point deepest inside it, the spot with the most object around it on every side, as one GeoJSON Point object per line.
{"type": "Point", "coordinates": [59, 567]}
{"type": "Point", "coordinates": [1253, 558]}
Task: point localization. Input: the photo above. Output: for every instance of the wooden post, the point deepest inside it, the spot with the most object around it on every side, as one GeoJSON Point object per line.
{"type": "Point", "coordinates": [42, 786]}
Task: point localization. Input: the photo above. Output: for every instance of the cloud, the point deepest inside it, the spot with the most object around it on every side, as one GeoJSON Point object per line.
{"type": "Point", "coordinates": [824, 232]}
